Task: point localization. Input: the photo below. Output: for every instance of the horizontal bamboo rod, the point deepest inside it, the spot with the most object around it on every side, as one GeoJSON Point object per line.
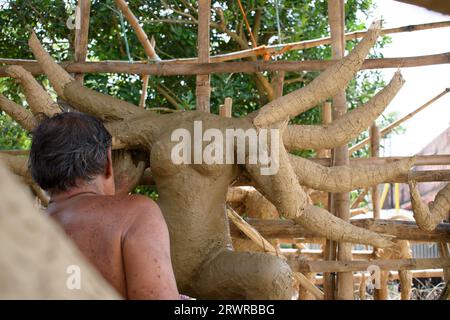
{"type": "Point", "coordinates": [301, 45]}
{"type": "Point", "coordinates": [317, 254]}
{"type": "Point", "coordinates": [171, 69]}
{"type": "Point", "coordinates": [393, 275]}
{"type": "Point", "coordinates": [402, 230]}
{"type": "Point", "coordinates": [421, 160]}
{"type": "Point", "coordinates": [358, 265]}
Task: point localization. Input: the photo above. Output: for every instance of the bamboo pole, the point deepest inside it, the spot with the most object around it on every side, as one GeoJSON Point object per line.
{"type": "Point", "coordinates": [82, 34]}
{"type": "Point", "coordinates": [421, 160]}
{"type": "Point", "coordinates": [203, 88]}
{"type": "Point", "coordinates": [277, 49]}
{"type": "Point", "coordinates": [330, 246]}
{"type": "Point", "coordinates": [402, 230]}
{"type": "Point", "coordinates": [444, 253]}
{"type": "Point", "coordinates": [175, 69]}
{"type": "Point", "coordinates": [375, 152]}
{"type": "Point", "coordinates": [393, 275]}
{"type": "Point", "coordinates": [279, 84]}
{"type": "Point", "coordinates": [140, 33]}
{"type": "Point", "coordinates": [395, 124]}
{"type": "Point", "coordinates": [359, 265]}
{"type": "Point", "coordinates": [225, 110]}
{"type": "Point", "coordinates": [301, 45]}
{"type": "Point", "coordinates": [317, 254]}
{"type": "Point", "coordinates": [359, 199]}
{"type": "Point", "coordinates": [336, 16]}
{"type": "Point", "coordinates": [326, 120]}
{"type": "Point", "coordinates": [149, 47]}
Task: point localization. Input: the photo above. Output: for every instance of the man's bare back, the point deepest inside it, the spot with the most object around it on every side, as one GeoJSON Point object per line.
{"type": "Point", "coordinates": [124, 236]}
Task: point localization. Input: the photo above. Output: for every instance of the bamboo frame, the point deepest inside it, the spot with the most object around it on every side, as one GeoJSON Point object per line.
{"type": "Point", "coordinates": [178, 69]}
{"type": "Point", "coordinates": [341, 205]}
{"type": "Point", "coordinates": [82, 34]}
{"type": "Point", "coordinates": [402, 230]}
{"type": "Point", "coordinates": [203, 68]}
{"type": "Point", "coordinates": [393, 275]}
{"type": "Point", "coordinates": [203, 86]}
{"type": "Point", "coordinates": [359, 265]}
{"type": "Point", "coordinates": [375, 152]}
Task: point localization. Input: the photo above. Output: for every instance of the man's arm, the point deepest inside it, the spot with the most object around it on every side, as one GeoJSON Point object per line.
{"type": "Point", "coordinates": [146, 254]}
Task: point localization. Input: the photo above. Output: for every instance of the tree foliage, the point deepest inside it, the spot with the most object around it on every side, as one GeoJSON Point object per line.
{"type": "Point", "coordinates": [172, 23]}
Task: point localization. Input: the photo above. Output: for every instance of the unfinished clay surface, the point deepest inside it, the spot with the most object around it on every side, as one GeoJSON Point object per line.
{"type": "Point", "coordinates": [193, 196]}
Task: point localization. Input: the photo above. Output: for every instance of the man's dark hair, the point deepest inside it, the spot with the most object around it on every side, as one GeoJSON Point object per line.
{"type": "Point", "coordinates": [67, 147]}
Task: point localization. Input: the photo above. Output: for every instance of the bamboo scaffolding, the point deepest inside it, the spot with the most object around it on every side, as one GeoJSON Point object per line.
{"type": "Point", "coordinates": [326, 120]}
{"type": "Point", "coordinates": [341, 205]}
{"type": "Point", "coordinates": [81, 35]}
{"type": "Point", "coordinates": [149, 48]}
{"type": "Point", "coordinates": [393, 275]}
{"type": "Point", "coordinates": [395, 124]}
{"type": "Point", "coordinates": [301, 45]}
{"type": "Point", "coordinates": [358, 265]}
{"type": "Point", "coordinates": [171, 69]}
{"type": "Point", "coordinates": [402, 230]}
{"type": "Point", "coordinates": [203, 86]}
{"type": "Point", "coordinates": [421, 160]}
{"type": "Point", "coordinates": [317, 254]}
{"type": "Point", "coordinates": [375, 152]}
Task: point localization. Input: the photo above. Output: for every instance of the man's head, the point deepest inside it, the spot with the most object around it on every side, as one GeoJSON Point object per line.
{"type": "Point", "coordinates": [71, 150]}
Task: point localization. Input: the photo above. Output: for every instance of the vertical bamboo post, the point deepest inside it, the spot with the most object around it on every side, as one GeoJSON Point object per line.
{"type": "Point", "coordinates": [336, 18]}
{"type": "Point", "coordinates": [226, 108]}
{"type": "Point", "coordinates": [279, 84]}
{"type": "Point", "coordinates": [326, 119]}
{"type": "Point", "coordinates": [375, 152]}
{"type": "Point", "coordinates": [203, 90]}
{"type": "Point", "coordinates": [81, 34]}
{"type": "Point", "coordinates": [330, 246]}
{"type": "Point", "coordinates": [445, 253]}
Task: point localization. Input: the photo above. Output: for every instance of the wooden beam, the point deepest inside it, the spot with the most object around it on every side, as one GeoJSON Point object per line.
{"type": "Point", "coordinates": [402, 230]}
{"type": "Point", "coordinates": [174, 69]}
{"type": "Point", "coordinates": [359, 265]}
{"type": "Point", "coordinates": [82, 34]}
{"type": "Point", "coordinates": [203, 87]}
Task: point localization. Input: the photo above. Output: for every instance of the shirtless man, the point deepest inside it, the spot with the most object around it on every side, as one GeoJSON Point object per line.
{"type": "Point", "coordinates": [124, 236]}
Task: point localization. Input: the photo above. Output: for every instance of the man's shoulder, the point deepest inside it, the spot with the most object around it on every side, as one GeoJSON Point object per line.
{"type": "Point", "coordinates": [129, 206]}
